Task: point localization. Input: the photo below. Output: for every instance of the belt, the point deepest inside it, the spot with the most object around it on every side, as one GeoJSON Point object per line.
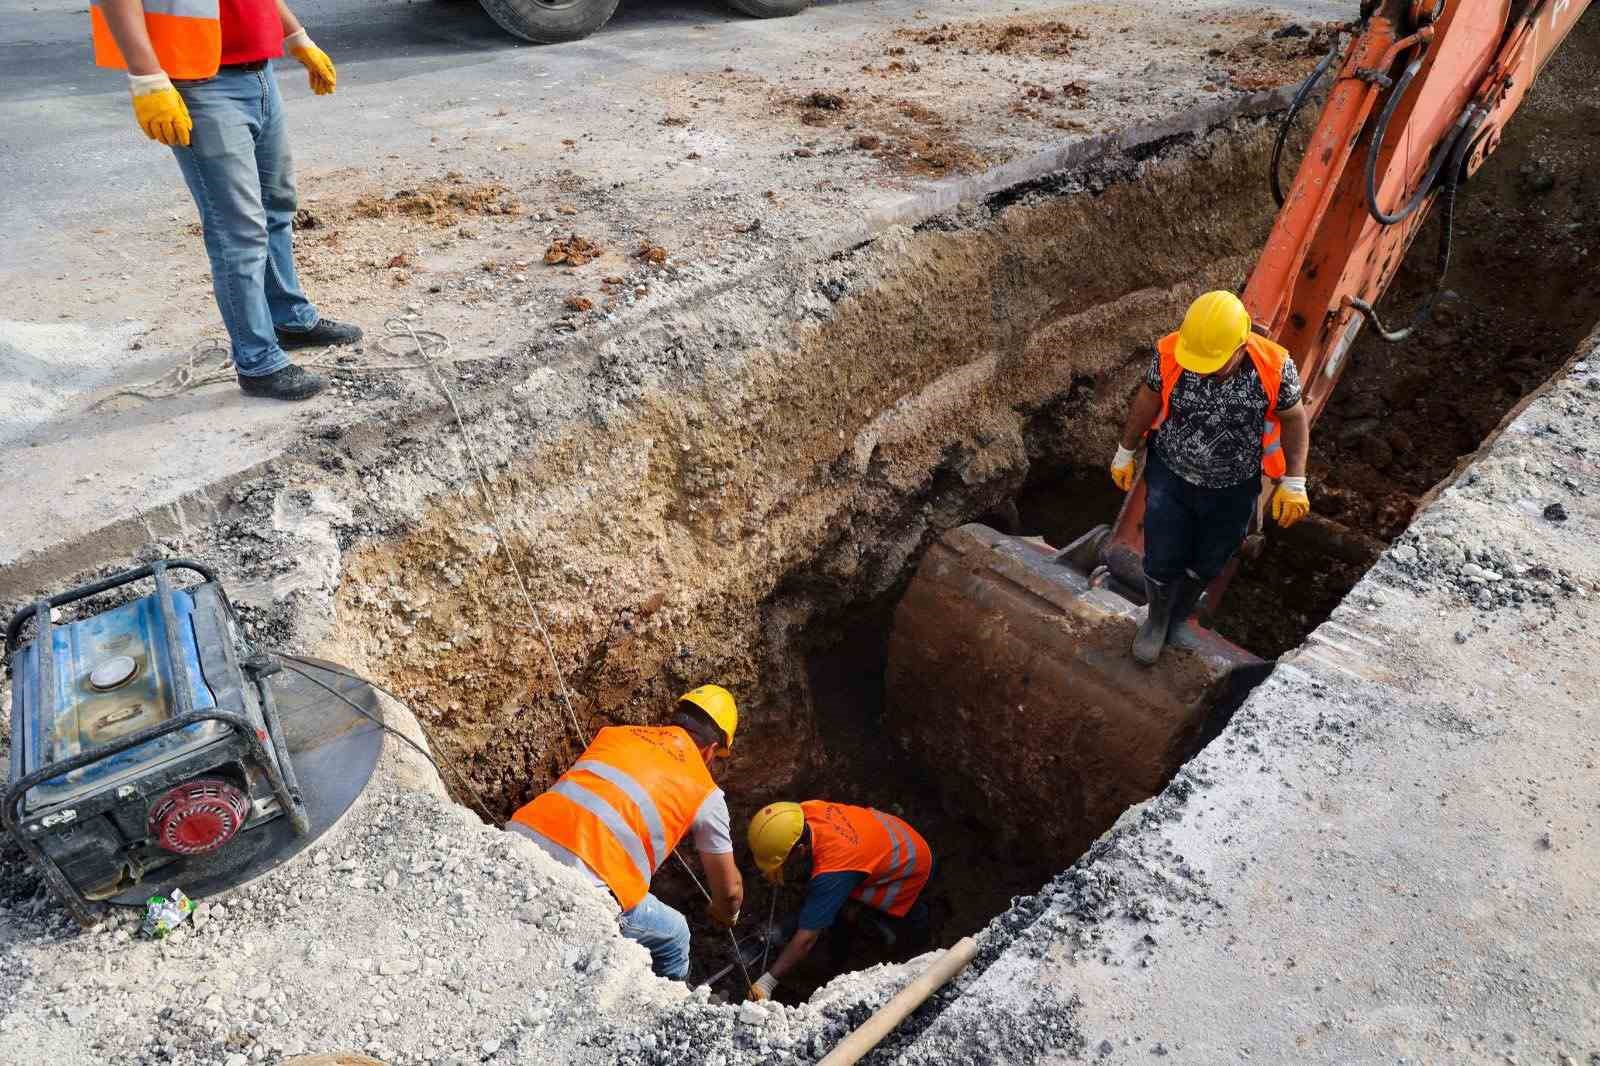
{"type": "Point", "coordinates": [260, 64]}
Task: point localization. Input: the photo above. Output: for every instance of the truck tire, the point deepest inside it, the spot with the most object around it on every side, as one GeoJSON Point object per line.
{"type": "Point", "coordinates": [550, 21]}
{"type": "Point", "coordinates": [771, 9]}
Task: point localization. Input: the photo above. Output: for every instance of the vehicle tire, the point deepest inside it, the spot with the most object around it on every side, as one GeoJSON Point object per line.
{"type": "Point", "coordinates": [771, 9]}
{"type": "Point", "coordinates": [550, 21]}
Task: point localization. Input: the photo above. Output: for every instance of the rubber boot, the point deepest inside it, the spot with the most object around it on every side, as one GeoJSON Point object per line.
{"type": "Point", "coordinates": [1152, 635]}
{"type": "Point", "coordinates": [1186, 594]}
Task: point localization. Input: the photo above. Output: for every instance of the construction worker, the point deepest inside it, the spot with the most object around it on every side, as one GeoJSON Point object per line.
{"type": "Point", "coordinates": [846, 855]}
{"type": "Point", "coordinates": [1222, 406]}
{"type": "Point", "coordinates": [202, 84]}
{"type": "Point", "coordinates": [625, 804]}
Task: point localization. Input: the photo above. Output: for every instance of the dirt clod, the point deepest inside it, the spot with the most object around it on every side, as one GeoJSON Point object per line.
{"type": "Point", "coordinates": [441, 203]}
{"type": "Point", "coordinates": [572, 250]}
{"type": "Point", "coordinates": [651, 253]}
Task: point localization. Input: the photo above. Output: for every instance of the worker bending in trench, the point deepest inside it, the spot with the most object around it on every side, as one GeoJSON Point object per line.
{"type": "Point", "coordinates": [622, 808]}
{"type": "Point", "coordinates": [862, 868]}
{"type": "Point", "coordinates": [1220, 406]}
{"type": "Point", "coordinates": [200, 72]}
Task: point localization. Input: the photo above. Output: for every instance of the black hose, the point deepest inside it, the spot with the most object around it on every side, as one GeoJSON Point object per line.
{"type": "Point", "coordinates": [1425, 186]}
{"type": "Point", "coordinates": [1300, 97]}
{"type": "Point", "coordinates": [1459, 149]}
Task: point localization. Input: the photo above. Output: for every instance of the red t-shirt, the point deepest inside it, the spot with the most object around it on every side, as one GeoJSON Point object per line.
{"type": "Point", "coordinates": [251, 31]}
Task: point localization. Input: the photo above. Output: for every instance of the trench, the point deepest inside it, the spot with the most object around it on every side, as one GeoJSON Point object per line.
{"type": "Point", "coordinates": [977, 370]}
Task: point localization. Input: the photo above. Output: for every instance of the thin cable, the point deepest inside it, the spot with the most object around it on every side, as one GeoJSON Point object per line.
{"type": "Point", "coordinates": [766, 936]}
{"type": "Point", "coordinates": [395, 326]}
{"type": "Point", "coordinates": [461, 782]}
{"type": "Point", "coordinates": [738, 956]}
{"type": "Point", "coordinates": [1300, 99]}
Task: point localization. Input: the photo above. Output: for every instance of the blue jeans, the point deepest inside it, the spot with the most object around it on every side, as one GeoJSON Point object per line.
{"type": "Point", "coordinates": [1189, 529]}
{"type": "Point", "coordinates": [663, 932]}
{"type": "Point", "coordinates": [237, 167]}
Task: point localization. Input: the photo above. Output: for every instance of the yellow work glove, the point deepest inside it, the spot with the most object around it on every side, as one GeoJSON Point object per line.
{"type": "Point", "coordinates": [762, 989]}
{"type": "Point", "coordinates": [159, 110]}
{"type": "Point", "coordinates": [1122, 469]}
{"type": "Point", "coordinates": [319, 68]}
{"type": "Point", "coordinates": [1290, 502]}
{"type": "Point", "coordinates": [719, 919]}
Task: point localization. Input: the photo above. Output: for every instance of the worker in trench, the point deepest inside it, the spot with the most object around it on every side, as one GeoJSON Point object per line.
{"type": "Point", "coordinates": [622, 808]}
{"type": "Point", "coordinates": [1220, 405]}
{"type": "Point", "coordinates": [201, 77]}
{"type": "Point", "coordinates": [864, 871]}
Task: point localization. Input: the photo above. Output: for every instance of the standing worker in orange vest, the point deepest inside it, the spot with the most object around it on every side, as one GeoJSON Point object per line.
{"type": "Point", "coordinates": [202, 84]}
{"type": "Point", "coordinates": [843, 854]}
{"type": "Point", "coordinates": [625, 804]}
{"type": "Point", "coordinates": [1223, 405]}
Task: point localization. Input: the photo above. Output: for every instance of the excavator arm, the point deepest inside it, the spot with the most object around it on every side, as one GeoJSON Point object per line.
{"type": "Point", "coordinates": [1008, 637]}
{"type": "Point", "coordinates": [1423, 93]}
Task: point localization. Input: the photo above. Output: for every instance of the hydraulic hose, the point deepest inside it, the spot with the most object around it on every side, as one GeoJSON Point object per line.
{"type": "Point", "coordinates": [1300, 97]}
{"type": "Point", "coordinates": [1425, 186]}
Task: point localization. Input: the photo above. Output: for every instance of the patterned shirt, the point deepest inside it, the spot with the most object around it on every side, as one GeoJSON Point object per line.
{"type": "Point", "coordinates": [1212, 435]}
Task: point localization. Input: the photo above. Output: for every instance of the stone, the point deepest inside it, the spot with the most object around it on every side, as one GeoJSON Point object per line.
{"type": "Point", "coordinates": [236, 1059]}
{"type": "Point", "coordinates": [391, 879]}
{"type": "Point", "coordinates": [260, 991]}
{"type": "Point", "coordinates": [397, 967]}
{"type": "Point", "coordinates": [1555, 512]}
{"type": "Point", "coordinates": [752, 1014]}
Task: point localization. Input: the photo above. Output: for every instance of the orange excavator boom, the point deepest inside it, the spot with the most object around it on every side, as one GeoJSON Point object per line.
{"type": "Point", "coordinates": [1422, 95]}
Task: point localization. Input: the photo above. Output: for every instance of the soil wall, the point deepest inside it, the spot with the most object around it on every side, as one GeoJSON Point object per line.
{"type": "Point", "coordinates": [775, 470]}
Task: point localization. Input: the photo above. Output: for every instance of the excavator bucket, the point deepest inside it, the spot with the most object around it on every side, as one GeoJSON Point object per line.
{"type": "Point", "coordinates": [1023, 657]}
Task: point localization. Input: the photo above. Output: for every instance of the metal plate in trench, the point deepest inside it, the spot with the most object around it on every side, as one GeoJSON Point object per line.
{"type": "Point", "coordinates": [334, 751]}
{"type": "Point", "coordinates": [1011, 670]}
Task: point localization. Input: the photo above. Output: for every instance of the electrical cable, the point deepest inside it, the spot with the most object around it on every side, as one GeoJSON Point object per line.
{"type": "Point", "coordinates": [461, 782]}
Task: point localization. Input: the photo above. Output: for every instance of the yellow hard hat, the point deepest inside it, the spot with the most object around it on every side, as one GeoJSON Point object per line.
{"type": "Point", "coordinates": [1212, 331]}
{"type": "Point", "coordinates": [774, 831]}
{"type": "Point", "coordinates": [718, 704]}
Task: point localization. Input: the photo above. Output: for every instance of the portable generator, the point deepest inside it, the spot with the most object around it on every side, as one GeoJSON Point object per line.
{"type": "Point", "coordinates": [148, 750]}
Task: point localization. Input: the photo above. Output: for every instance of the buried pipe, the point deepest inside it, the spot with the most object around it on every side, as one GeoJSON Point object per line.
{"type": "Point", "coordinates": [908, 999]}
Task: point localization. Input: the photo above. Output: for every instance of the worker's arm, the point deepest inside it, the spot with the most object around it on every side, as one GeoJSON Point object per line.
{"type": "Point", "coordinates": [825, 898]}
{"type": "Point", "coordinates": [1296, 439]}
{"type": "Point", "coordinates": [1291, 502]}
{"type": "Point", "coordinates": [794, 952]}
{"type": "Point", "coordinates": [727, 886]}
{"type": "Point", "coordinates": [125, 20]}
{"type": "Point", "coordinates": [297, 42]}
{"type": "Point", "coordinates": [1142, 414]}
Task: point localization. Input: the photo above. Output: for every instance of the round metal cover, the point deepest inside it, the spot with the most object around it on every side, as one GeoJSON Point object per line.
{"type": "Point", "coordinates": [113, 672]}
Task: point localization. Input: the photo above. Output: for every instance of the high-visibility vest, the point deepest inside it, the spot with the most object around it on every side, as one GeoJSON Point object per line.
{"type": "Point", "coordinates": [186, 34]}
{"type": "Point", "coordinates": [1268, 359]}
{"type": "Point", "coordinates": [895, 858]}
{"type": "Point", "coordinates": [625, 804]}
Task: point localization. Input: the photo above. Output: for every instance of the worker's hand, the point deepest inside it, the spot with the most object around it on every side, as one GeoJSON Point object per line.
{"type": "Point", "coordinates": [1122, 468]}
{"type": "Point", "coordinates": [721, 920]}
{"type": "Point", "coordinates": [762, 989]}
{"type": "Point", "coordinates": [319, 68]}
{"type": "Point", "coordinates": [1290, 502]}
{"type": "Point", "coordinates": [159, 110]}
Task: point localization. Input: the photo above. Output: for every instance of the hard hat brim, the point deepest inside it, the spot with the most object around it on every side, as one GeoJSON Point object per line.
{"type": "Point", "coordinates": [1198, 362]}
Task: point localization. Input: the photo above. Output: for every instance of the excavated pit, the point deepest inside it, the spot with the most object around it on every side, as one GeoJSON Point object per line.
{"type": "Point", "coordinates": [755, 523]}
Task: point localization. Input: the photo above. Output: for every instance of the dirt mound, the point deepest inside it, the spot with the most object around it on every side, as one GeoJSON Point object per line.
{"type": "Point", "coordinates": [441, 203]}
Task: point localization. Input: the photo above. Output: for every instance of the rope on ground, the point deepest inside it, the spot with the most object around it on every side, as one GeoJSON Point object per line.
{"type": "Point", "coordinates": [210, 363]}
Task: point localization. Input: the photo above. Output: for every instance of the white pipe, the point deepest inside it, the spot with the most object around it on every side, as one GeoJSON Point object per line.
{"type": "Point", "coordinates": [908, 999]}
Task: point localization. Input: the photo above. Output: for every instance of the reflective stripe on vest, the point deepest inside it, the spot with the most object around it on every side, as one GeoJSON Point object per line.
{"type": "Point", "coordinates": [186, 36]}
{"type": "Point", "coordinates": [1267, 357]}
{"type": "Point", "coordinates": [894, 857]}
{"type": "Point", "coordinates": [624, 805]}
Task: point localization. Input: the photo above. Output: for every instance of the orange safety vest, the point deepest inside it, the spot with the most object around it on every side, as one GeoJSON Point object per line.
{"type": "Point", "coordinates": [186, 34]}
{"type": "Point", "coordinates": [895, 858]}
{"type": "Point", "coordinates": [1268, 359]}
{"type": "Point", "coordinates": [625, 804]}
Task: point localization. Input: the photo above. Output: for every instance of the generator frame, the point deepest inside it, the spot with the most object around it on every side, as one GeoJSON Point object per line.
{"type": "Point", "coordinates": [251, 744]}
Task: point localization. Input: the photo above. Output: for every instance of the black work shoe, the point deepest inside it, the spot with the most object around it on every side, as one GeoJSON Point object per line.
{"type": "Point", "coordinates": [325, 334]}
{"type": "Point", "coordinates": [1152, 635]}
{"type": "Point", "coordinates": [1184, 600]}
{"type": "Point", "coordinates": [290, 383]}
